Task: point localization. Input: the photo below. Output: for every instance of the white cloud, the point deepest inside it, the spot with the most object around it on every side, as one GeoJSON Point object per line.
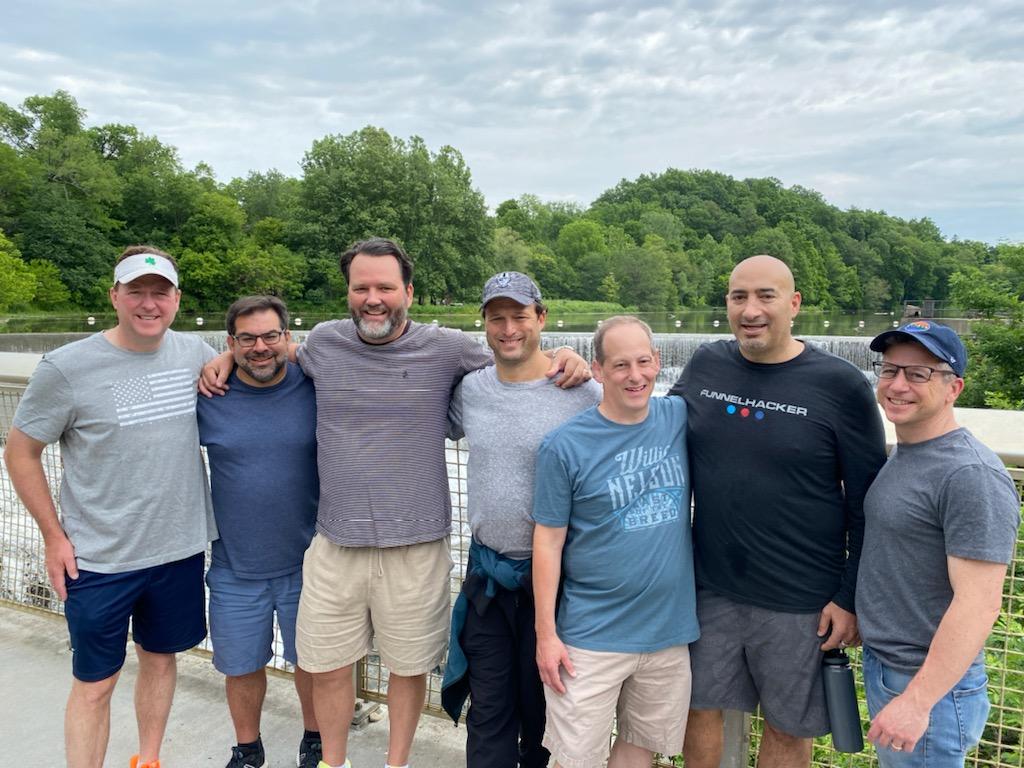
{"type": "Point", "coordinates": [902, 106]}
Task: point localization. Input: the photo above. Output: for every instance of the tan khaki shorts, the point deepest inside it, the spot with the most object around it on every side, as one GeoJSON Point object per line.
{"type": "Point", "coordinates": [350, 595]}
{"type": "Point", "coordinates": [648, 693]}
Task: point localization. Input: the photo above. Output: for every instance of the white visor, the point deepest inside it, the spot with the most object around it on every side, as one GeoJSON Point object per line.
{"type": "Point", "coordinates": [139, 264]}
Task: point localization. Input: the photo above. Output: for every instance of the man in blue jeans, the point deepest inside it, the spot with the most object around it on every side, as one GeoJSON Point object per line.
{"type": "Point", "coordinates": [941, 524]}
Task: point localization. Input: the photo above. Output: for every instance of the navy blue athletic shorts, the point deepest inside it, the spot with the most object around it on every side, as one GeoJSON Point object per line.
{"type": "Point", "coordinates": [166, 605]}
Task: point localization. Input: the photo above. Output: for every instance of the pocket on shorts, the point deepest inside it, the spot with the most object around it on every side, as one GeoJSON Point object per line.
{"type": "Point", "coordinates": [972, 708]}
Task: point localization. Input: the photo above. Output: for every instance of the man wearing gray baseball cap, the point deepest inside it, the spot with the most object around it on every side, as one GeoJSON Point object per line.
{"type": "Point", "coordinates": [941, 524]}
{"type": "Point", "coordinates": [504, 411]}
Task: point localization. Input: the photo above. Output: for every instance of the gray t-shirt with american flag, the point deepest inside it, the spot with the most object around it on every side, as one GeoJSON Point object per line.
{"type": "Point", "coordinates": [134, 492]}
{"type": "Point", "coordinates": [381, 420]}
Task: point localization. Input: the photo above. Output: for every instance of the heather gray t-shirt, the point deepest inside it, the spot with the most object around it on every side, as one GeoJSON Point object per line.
{"type": "Point", "coordinates": [134, 492]}
{"type": "Point", "coordinates": [505, 423]}
{"type": "Point", "coordinates": [381, 420]}
{"type": "Point", "coordinates": [946, 496]}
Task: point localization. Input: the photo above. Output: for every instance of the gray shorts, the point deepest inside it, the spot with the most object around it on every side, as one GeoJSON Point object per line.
{"type": "Point", "coordinates": [748, 655]}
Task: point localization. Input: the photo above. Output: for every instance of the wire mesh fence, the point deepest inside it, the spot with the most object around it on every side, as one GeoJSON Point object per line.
{"type": "Point", "coordinates": [23, 582]}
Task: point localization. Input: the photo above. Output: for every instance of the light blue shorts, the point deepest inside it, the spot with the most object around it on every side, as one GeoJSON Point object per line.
{"type": "Point", "coordinates": [242, 619]}
{"type": "Point", "coordinates": [954, 726]}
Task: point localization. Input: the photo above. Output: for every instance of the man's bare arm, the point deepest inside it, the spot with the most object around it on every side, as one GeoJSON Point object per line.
{"type": "Point", "coordinates": [977, 598]}
{"type": "Point", "coordinates": [575, 370]}
{"type": "Point", "coordinates": [547, 569]}
{"type": "Point", "coordinates": [23, 457]}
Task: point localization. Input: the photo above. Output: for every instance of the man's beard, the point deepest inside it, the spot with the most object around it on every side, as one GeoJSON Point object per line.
{"type": "Point", "coordinates": [263, 374]}
{"type": "Point", "coordinates": [379, 329]}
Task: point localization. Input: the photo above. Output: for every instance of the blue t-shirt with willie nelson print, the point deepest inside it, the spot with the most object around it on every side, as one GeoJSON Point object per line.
{"type": "Point", "coordinates": [623, 493]}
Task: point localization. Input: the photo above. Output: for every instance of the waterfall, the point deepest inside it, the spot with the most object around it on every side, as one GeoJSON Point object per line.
{"type": "Point", "coordinates": [676, 348]}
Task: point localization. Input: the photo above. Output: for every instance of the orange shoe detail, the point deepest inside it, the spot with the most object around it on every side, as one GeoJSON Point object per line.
{"type": "Point", "coordinates": [134, 763]}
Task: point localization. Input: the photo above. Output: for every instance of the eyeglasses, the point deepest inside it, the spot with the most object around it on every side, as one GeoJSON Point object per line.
{"type": "Point", "coordinates": [246, 340]}
{"type": "Point", "coordinates": [915, 374]}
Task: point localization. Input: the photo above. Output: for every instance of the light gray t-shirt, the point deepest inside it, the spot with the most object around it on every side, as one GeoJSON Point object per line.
{"type": "Point", "coordinates": [505, 423]}
{"type": "Point", "coordinates": [946, 496]}
{"type": "Point", "coordinates": [134, 492]}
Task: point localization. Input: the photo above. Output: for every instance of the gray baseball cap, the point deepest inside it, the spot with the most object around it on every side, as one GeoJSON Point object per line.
{"type": "Point", "coordinates": [511, 285]}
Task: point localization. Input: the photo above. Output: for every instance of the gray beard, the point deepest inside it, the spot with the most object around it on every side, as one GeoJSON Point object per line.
{"type": "Point", "coordinates": [380, 330]}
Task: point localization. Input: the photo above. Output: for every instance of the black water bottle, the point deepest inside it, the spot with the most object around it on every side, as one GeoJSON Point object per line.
{"type": "Point", "coordinates": [841, 700]}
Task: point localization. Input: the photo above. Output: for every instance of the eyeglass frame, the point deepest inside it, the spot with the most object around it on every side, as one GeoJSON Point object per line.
{"type": "Point", "coordinates": [245, 344]}
{"type": "Point", "coordinates": [877, 366]}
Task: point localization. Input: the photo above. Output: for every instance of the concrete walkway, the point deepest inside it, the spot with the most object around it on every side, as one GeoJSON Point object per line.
{"type": "Point", "coordinates": [35, 676]}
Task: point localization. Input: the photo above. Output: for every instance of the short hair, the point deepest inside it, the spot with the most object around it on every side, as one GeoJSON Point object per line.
{"type": "Point", "coordinates": [132, 250]}
{"type": "Point", "coordinates": [378, 246]}
{"type": "Point", "coordinates": [247, 305]}
{"type": "Point", "coordinates": [614, 322]}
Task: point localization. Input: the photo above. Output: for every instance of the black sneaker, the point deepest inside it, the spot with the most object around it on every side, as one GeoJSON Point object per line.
{"type": "Point", "coordinates": [310, 753]}
{"type": "Point", "coordinates": [247, 758]}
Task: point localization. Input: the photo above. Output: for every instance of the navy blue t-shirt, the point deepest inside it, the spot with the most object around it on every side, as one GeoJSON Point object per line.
{"type": "Point", "coordinates": [261, 443]}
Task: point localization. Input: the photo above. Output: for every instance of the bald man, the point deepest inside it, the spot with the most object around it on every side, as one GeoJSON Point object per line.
{"type": "Point", "coordinates": [784, 440]}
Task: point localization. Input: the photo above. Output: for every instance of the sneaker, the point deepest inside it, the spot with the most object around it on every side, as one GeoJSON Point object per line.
{"type": "Point", "coordinates": [310, 753]}
{"type": "Point", "coordinates": [253, 758]}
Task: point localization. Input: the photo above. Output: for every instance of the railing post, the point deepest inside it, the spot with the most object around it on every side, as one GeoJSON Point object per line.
{"type": "Point", "coordinates": [737, 739]}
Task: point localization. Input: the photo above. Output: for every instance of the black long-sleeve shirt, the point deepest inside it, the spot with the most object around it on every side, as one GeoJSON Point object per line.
{"type": "Point", "coordinates": [781, 456]}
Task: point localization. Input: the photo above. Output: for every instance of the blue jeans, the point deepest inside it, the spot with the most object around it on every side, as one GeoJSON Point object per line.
{"type": "Point", "coordinates": [954, 725]}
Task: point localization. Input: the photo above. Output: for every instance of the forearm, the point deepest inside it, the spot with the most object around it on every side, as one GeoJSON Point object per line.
{"type": "Point", "coordinates": [547, 570]}
{"type": "Point", "coordinates": [960, 636]}
{"type": "Point", "coordinates": [25, 467]}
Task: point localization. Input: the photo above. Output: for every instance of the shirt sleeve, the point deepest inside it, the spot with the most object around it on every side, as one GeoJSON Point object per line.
{"type": "Point", "coordinates": [679, 388]}
{"type": "Point", "coordinates": [306, 355]}
{"type": "Point", "coordinates": [46, 410]}
{"type": "Point", "coordinates": [552, 494]}
{"type": "Point", "coordinates": [979, 511]}
{"type": "Point", "coordinates": [208, 353]}
{"type": "Point", "coordinates": [860, 442]}
{"type": "Point", "coordinates": [474, 355]}
{"type": "Point", "coordinates": [455, 430]}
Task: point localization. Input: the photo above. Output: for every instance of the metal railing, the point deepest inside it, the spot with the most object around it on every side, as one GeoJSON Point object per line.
{"type": "Point", "coordinates": [24, 583]}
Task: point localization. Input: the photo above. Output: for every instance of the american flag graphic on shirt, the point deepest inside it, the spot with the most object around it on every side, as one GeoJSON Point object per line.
{"type": "Point", "coordinates": [162, 395]}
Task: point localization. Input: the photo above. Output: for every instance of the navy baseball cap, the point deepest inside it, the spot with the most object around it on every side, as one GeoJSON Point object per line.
{"type": "Point", "coordinates": [941, 340]}
{"type": "Point", "coordinates": [511, 285]}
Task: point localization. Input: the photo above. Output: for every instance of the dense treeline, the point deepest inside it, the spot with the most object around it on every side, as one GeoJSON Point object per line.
{"type": "Point", "coordinates": [72, 196]}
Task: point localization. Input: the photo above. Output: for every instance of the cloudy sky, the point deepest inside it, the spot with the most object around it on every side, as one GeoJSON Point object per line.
{"type": "Point", "coordinates": [915, 108]}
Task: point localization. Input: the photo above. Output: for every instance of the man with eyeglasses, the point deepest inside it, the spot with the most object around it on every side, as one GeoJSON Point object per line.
{"type": "Point", "coordinates": [260, 439]}
{"type": "Point", "coordinates": [377, 573]}
{"type": "Point", "coordinates": [942, 519]}
{"type": "Point", "coordinates": [784, 440]}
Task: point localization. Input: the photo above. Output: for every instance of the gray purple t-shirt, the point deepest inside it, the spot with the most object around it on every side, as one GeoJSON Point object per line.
{"type": "Point", "coordinates": [134, 492]}
{"type": "Point", "coordinates": [941, 497]}
{"type": "Point", "coordinates": [382, 417]}
{"type": "Point", "coordinates": [623, 492]}
{"type": "Point", "coordinates": [505, 423]}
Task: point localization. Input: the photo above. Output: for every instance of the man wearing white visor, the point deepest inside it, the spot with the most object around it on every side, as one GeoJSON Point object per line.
{"type": "Point", "coordinates": [135, 506]}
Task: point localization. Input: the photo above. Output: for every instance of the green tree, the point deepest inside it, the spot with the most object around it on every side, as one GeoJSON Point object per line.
{"type": "Point", "coordinates": [510, 252]}
{"type": "Point", "coordinates": [17, 282]}
{"type": "Point", "coordinates": [50, 293]}
{"type": "Point", "coordinates": [645, 276]}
